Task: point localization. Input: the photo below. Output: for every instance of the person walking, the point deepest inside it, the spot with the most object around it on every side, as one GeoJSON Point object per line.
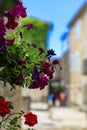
{"type": "Point", "coordinates": [50, 100]}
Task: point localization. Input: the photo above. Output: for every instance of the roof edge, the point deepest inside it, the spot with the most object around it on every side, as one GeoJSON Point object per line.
{"type": "Point", "coordinates": [82, 7]}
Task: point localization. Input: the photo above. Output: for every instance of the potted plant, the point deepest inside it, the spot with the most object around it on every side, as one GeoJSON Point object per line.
{"type": "Point", "coordinates": [21, 65]}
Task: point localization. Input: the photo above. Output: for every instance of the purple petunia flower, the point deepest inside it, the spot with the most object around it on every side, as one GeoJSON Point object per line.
{"type": "Point", "coordinates": [11, 24]}
{"type": "Point", "coordinates": [20, 10]}
{"type": "Point", "coordinates": [51, 52]}
{"type": "Point", "coordinates": [21, 62]}
{"type": "Point", "coordinates": [14, 13]}
{"type": "Point", "coordinates": [2, 44]}
{"type": "Point", "coordinates": [47, 69]}
{"type": "Point", "coordinates": [35, 74]}
{"type": "Point", "coordinates": [29, 26]}
{"type": "Point", "coordinates": [16, 82]}
{"type": "Point", "coordinates": [41, 83]}
{"type": "Point", "coordinates": [9, 42]}
{"type": "Point", "coordinates": [21, 77]}
{"type": "Point", "coordinates": [41, 50]}
{"type": "Point", "coordinates": [2, 28]}
{"type": "Point", "coordinates": [55, 62]}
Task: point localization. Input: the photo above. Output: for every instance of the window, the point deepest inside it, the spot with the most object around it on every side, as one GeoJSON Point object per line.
{"type": "Point", "coordinates": [78, 28]}
{"type": "Point", "coordinates": [71, 60]}
{"type": "Point", "coordinates": [77, 61]}
{"type": "Point", "coordinates": [74, 61]}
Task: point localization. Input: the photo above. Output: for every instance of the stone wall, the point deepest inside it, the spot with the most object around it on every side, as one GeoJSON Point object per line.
{"type": "Point", "coordinates": [14, 96]}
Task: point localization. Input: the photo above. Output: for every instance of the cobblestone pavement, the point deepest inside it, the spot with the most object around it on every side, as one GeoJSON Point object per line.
{"type": "Point", "coordinates": [60, 118]}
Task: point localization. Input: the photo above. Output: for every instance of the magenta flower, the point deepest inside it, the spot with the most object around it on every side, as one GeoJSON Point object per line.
{"type": "Point", "coordinates": [41, 83]}
{"type": "Point", "coordinates": [21, 62]}
{"type": "Point", "coordinates": [21, 77]}
{"type": "Point", "coordinates": [30, 26]}
{"type": "Point", "coordinates": [14, 13]}
{"type": "Point", "coordinates": [55, 62]}
{"type": "Point", "coordinates": [2, 28]}
{"type": "Point", "coordinates": [11, 24]}
{"type": "Point", "coordinates": [16, 82]}
{"type": "Point", "coordinates": [9, 42]}
{"type": "Point", "coordinates": [11, 15]}
{"type": "Point", "coordinates": [20, 10]}
{"type": "Point", "coordinates": [47, 68]}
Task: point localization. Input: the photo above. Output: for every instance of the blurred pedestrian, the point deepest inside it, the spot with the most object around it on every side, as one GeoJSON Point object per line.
{"type": "Point", "coordinates": [50, 100]}
{"type": "Point", "coordinates": [57, 100]}
{"type": "Point", "coordinates": [62, 99]}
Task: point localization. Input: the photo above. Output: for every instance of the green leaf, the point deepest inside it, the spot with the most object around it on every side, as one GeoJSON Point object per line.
{"type": "Point", "coordinates": [2, 97]}
{"type": "Point", "coordinates": [10, 36]}
{"type": "Point", "coordinates": [10, 105]}
{"type": "Point", "coordinates": [13, 128]}
{"type": "Point", "coordinates": [13, 121]}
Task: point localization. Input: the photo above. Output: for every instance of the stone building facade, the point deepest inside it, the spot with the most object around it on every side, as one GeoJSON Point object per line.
{"type": "Point", "coordinates": [77, 54]}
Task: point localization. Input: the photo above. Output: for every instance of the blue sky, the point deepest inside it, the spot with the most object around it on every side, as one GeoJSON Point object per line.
{"type": "Point", "coordinates": [57, 12]}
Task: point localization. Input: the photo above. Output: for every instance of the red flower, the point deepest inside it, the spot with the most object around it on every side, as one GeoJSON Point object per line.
{"type": "Point", "coordinates": [4, 107]}
{"type": "Point", "coordinates": [30, 119]}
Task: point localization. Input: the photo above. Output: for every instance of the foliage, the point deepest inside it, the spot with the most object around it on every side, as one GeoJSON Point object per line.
{"type": "Point", "coordinates": [7, 4]}
{"type": "Point", "coordinates": [22, 63]}
{"type": "Point", "coordinates": [59, 89]}
{"type": "Point", "coordinates": [6, 112]}
{"type": "Point", "coordinates": [20, 58]}
{"type": "Point", "coordinates": [38, 34]}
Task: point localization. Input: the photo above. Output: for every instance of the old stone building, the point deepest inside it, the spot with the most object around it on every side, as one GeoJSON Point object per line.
{"type": "Point", "coordinates": [77, 54]}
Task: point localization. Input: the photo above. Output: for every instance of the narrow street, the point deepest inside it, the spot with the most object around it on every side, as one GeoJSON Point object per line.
{"type": "Point", "coordinates": [59, 118]}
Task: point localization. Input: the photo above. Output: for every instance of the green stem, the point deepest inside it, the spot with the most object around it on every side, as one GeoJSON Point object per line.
{"type": "Point", "coordinates": [20, 114]}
